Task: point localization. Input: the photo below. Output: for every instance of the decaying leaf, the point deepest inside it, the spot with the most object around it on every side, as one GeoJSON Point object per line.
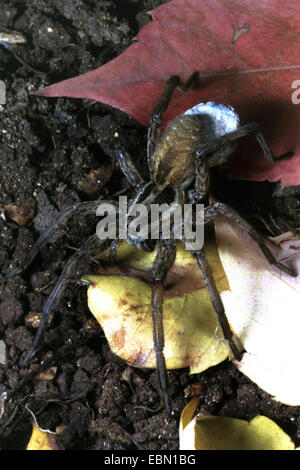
{"type": "Point", "coordinates": [42, 440]}
{"type": "Point", "coordinates": [247, 53]}
{"type": "Point", "coordinates": [222, 433]}
{"type": "Point", "coordinates": [262, 306]}
{"type": "Point", "coordinates": [122, 305]}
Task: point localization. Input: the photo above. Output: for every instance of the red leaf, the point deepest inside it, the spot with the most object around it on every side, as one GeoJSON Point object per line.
{"type": "Point", "coordinates": [248, 54]}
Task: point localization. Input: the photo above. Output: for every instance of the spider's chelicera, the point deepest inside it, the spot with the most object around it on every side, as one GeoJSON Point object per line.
{"type": "Point", "coordinates": [179, 162]}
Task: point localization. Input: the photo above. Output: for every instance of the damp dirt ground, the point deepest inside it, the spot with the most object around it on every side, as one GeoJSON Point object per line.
{"type": "Point", "coordinates": [51, 158]}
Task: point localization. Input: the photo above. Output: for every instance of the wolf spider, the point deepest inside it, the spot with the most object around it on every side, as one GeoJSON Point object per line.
{"type": "Point", "coordinates": [181, 157]}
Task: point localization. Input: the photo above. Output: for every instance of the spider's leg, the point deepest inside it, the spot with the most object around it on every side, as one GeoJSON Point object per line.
{"type": "Point", "coordinates": [166, 251]}
{"type": "Point", "coordinates": [87, 249]}
{"type": "Point", "coordinates": [113, 250]}
{"type": "Point", "coordinates": [220, 208]}
{"type": "Point", "coordinates": [253, 128]}
{"type": "Point", "coordinates": [216, 301]}
{"type": "Point", "coordinates": [216, 152]}
{"type": "Point", "coordinates": [83, 208]}
{"type": "Point", "coordinates": [215, 296]}
{"type": "Point", "coordinates": [216, 145]}
{"type": "Point", "coordinates": [202, 176]}
{"type": "Point", "coordinates": [157, 115]}
{"type": "Point", "coordinates": [126, 164]}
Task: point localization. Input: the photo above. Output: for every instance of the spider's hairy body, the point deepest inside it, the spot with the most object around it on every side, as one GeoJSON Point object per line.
{"type": "Point", "coordinates": [174, 160]}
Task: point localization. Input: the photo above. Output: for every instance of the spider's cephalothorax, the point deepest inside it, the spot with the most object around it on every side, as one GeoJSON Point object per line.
{"type": "Point", "coordinates": [179, 159]}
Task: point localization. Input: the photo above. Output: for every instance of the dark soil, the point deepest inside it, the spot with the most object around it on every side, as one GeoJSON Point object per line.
{"type": "Point", "coordinates": [50, 158]}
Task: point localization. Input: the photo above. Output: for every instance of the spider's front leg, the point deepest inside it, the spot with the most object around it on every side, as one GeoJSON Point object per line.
{"type": "Point", "coordinates": [165, 256]}
{"type": "Point", "coordinates": [154, 129]}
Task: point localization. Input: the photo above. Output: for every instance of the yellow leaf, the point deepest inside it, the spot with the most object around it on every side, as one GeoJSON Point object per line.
{"type": "Point", "coordinates": [122, 305]}
{"type": "Point", "coordinates": [42, 440]}
{"type": "Point", "coordinates": [222, 433]}
{"type": "Point", "coordinates": [262, 306]}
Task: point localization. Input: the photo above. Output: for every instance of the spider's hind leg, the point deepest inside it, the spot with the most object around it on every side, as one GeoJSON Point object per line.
{"type": "Point", "coordinates": [92, 244]}
{"type": "Point", "coordinates": [216, 301]}
{"type": "Point", "coordinates": [166, 251]}
{"type": "Point", "coordinates": [210, 213]}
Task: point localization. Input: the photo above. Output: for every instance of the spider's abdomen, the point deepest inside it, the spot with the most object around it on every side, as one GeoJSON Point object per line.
{"type": "Point", "coordinates": [173, 160]}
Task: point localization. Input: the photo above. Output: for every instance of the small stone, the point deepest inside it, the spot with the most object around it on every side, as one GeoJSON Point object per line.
{"type": "Point", "coordinates": [21, 212]}
{"type": "Point", "coordinates": [10, 310]}
{"type": "Point", "coordinates": [33, 319]}
{"type": "Point", "coordinates": [94, 182]}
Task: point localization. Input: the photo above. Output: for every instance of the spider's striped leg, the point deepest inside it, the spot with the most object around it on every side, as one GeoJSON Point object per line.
{"type": "Point", "coordinates": [83, 208]}
{"type": "Point", "coordinates": [202, 176]}
{"type": "Point", "coordinates": [126, 164]}
{"type": "Point", "coordinates": [154, 129]}
{"type": "Point", "coordinates": [220, 208]}
{"type": "Point", "coordinates": [216, 300]}
{"type": "Point", "coordinates": [215, 297]}
{"type": "Point", "coordinates": [210, 213]}
{"type": "Point", "coordinates": [91, 245]}
{"type": "Point", "coordinates": [215, 149]}
{"type": "Point", "coordinates": [166, 252]}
